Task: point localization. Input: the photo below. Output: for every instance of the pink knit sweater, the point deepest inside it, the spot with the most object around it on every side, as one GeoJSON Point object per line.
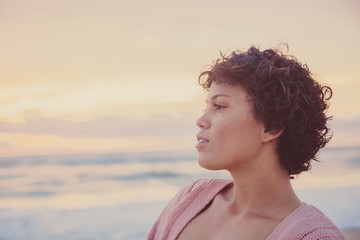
{"type": "Point", "coordinates": [305, 223]}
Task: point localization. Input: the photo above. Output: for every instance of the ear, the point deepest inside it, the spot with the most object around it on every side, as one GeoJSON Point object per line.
{"type": "Point", "coordinates": [271, 135]}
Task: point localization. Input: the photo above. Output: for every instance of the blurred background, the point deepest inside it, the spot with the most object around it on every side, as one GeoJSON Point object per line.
{"type": "Point", "coordinates": [98, 103]}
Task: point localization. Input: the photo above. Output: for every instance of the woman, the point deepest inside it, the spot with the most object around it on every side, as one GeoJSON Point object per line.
{"type": "Point", "coordinates": [264, 123]}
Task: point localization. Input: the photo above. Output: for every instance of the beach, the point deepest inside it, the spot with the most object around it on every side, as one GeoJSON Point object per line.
{"type": "Point", "coordinates": [120, 195]}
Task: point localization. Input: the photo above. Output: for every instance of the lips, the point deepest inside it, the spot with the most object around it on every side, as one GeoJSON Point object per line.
{"type": "Point", "coordinates": [202, 142]}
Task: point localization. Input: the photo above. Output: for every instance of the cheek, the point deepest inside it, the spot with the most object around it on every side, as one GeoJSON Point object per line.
{"type": "Point", "coordinates": [230, 139]}
{"type": "Point", "coordinates": [241, 136]}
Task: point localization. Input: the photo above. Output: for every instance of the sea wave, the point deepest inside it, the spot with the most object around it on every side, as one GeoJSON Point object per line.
{"type": "Point", "coordinates": [93, 159]}
{"type": "Point", "coordinates": [56, 197]}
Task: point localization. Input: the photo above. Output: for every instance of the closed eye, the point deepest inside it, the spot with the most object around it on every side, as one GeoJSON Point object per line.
{"type": "Point", "coordinates": [218, 107]}
{"type": "Point", "coordinates": [215, 107]}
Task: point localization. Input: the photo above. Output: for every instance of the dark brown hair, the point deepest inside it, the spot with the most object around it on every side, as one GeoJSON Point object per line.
{"type": "Point", "coordinates": [285, 98]}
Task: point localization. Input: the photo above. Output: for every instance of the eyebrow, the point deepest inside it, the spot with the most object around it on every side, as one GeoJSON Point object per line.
{"type": "Point", "coordinates": [219, 95]}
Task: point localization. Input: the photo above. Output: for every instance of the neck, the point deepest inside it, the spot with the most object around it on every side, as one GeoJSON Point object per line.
{"type": "Point", "coordinates": [262, 190]}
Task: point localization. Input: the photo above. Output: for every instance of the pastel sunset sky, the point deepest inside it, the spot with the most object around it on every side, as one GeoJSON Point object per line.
{"type": "Point", "coordinates": [109, 76]}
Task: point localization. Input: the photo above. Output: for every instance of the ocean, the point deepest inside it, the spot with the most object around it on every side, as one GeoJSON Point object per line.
{"type": "Point", "coordinates": [119, 195]}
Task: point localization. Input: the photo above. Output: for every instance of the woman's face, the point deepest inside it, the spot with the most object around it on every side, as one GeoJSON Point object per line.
{"type": "Point", "coordinates": [229, 134]}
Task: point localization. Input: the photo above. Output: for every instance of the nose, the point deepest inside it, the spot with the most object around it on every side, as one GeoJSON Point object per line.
{"type": "Point", "coordinates": [202, 122]}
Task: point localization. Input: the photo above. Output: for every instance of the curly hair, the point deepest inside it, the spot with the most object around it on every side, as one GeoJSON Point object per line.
{"type": "Point", "coordinates": [285, 98]}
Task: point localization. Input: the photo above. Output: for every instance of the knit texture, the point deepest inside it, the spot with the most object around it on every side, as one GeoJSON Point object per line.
{"type": "Point", "coordinates": [305, 223]}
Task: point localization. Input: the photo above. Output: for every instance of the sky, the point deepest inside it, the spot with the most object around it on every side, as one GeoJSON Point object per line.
{"type": "Point", "coordinates": [121, 76]}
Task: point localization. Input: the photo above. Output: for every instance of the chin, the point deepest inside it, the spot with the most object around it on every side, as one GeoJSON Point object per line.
{"type": "Point", "coordinates": [208, 164]}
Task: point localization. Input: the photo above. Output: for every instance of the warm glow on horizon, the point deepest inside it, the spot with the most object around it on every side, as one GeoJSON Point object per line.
{"type": "Point", "coordinates": [93, 77]}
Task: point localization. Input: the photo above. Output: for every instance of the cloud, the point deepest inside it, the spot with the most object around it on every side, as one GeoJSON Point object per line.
{"type": "Point", "coordinates": [346, 131]}
{"type": "Point", "coordinates": [105, 127]}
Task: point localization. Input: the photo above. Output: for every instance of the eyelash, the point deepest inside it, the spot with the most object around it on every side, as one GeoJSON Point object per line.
{"type": "Point", "coordinates": [217, 106]}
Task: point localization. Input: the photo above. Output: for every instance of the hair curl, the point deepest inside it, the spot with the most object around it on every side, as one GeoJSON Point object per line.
{"type": "Point", "coordinates": [285, 98]}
